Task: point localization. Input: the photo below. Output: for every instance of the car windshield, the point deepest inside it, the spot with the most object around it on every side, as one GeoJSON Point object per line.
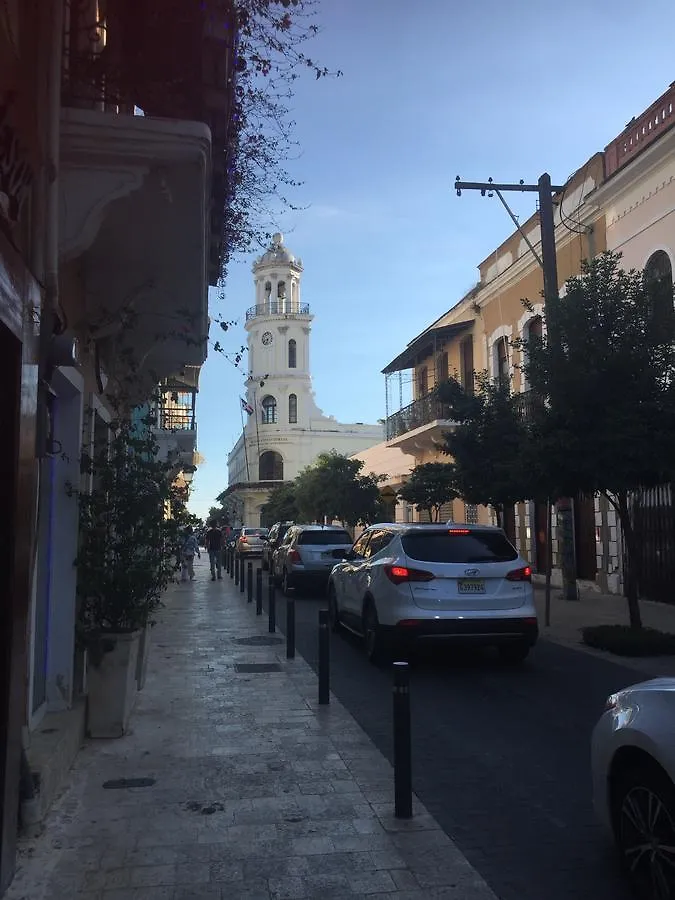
{"type": "Point", "coordinates": [324, 537]}
{"type": "Point", "coordinates": [455, 547]}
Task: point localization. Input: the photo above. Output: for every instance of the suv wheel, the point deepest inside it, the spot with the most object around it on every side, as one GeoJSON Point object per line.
{"type": "Point", "coordinates": [333, 614]}
{"type": "Point", "coordinates": [372, 635]}
{"type": "Point", "coordinates": [643, 801]}
{"type": "Point", "coordinates": [286, 584]}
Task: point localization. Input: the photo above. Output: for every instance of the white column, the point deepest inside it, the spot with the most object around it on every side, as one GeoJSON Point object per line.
{"type": "Point", "coordinates": [64, 541]}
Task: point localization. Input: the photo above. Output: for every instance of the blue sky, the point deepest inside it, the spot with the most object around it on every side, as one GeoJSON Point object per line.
{"type": "Point", "coordinates": [429, 91]}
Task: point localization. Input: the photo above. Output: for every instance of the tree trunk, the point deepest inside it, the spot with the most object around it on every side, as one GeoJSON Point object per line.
{"type": "Point", "coordinates": [632, 563]}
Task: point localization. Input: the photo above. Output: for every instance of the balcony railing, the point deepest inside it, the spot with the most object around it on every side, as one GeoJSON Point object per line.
{"type": "Point", "coordinates": [641, 132]}
{"type": "Point", "coordinates": [278, 308]}
{"type": "Point", "coordinates": [420, 412]}
{"type": "Point", "coordinates": [527, 403]}
{"type": "Point", "coordinates": [176, 412]}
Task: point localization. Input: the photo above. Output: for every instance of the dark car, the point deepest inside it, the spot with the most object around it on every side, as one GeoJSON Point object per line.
{"type": "Point", "coordinates": [274, 539]}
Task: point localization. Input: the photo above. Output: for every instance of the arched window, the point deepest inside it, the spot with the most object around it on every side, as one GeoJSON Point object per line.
{"type": "Point", "coordinates": [269, 410]}
{"type": "Point", "coordinates": [422, 381]}
{"type": "Point", "coordinates": [442, 367]}
{"type": "Point", "coordinates": [292, 354]}
{"type": "Point", "coordinates": [502, 361]}
{"type": "Point", "coordinates": [292, 409]}
{"type": "Point", "coordinates": [270, 466]}
{"type": "Point", "coordinates": [533, 332]}
{"type": "Point", "coordinates": [268, 290]}
{"type": "Point", "coordinates": [659, 281]}
{"type": "Point", "coordinates": [281, 290]}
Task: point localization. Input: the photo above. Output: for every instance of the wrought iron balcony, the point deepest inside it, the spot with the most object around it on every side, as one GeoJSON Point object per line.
{"type": "Point", "coordinates": [418, 413]}
{"type": "Point", "coordinates": [278, 308]}
{"type": "Point", "coordinates": [176, 412]}
{"type": "Point", "coordinates": [527, 403]}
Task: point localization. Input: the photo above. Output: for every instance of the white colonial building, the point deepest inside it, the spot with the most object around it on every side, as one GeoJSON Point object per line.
{"type": "Point", "coordinates": [286, 430]}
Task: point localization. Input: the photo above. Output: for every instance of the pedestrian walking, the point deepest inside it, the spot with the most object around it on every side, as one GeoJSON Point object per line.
{"type": "Point", "coordinates": [189, 548]}
{"type": "Point", "coordinates": [213, 541]}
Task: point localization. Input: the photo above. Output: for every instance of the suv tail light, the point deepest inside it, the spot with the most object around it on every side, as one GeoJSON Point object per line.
{"type": "Point", "coordinates": [401, 574]}
{"type": "Point", "coordinates": [243, 539]}
{"type": "Point", "coordinates": [294, 557]}
{"type": "Point", "coordinates": [524, 574]}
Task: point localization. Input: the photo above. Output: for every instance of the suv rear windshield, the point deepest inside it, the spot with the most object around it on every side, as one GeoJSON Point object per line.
{"type": "Point", "coordinates": [446, 547]}
{"type": "Point", "coordinates": [324, 537]}
{"type": "Point", "coordinates": [260, 532]}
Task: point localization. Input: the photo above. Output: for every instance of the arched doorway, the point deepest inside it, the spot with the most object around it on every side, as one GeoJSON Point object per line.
{"type": "Point", "coordinates": [270, 466]}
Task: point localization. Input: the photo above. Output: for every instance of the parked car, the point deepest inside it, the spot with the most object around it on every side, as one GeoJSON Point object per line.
{"type": "Point", "coordinates": [307, 554]}
{"type": "Point", "coordinates": [233, 536]}
{"type": "Point", "coordinates": [272, 543]}
{"type": "Point", "coordinates": [633, 762]}
{"type": "Point", "coordinates": [251, 541]}
{"type": "Point", "coordinates": [401, 585]}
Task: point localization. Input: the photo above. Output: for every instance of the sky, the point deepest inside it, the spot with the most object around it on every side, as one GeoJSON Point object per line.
{"type": "Point", "coordinates": [429, 91]}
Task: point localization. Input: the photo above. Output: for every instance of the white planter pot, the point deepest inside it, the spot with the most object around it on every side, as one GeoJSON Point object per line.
{"type": "Point", "coordinates": [143, 654]}
{"type": "Point", "coordinates": [112, 689]}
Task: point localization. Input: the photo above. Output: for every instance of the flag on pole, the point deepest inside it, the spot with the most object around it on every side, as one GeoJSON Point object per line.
{"type": "Point", "coordinates": [246, 406]}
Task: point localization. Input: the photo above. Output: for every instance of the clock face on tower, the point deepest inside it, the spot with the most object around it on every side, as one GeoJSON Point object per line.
{"type": "Point", "coordinates": [267, 338]}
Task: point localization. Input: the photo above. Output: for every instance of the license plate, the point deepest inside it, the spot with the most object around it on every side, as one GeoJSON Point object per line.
{"type": "Point", "coordinates": [471, 587]}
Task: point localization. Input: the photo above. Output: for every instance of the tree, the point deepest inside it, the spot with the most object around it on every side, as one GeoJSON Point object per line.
{"type": "Point", "coordinates": [607, 380]}
{"type": "Point", "coordinates": [492, 446]}
{"type": "Point", "coordinates": [281, 505]}
{"type": "Point", "coordinates": [334, 489]}
{"type": "Point", "coordinates": [429, 487]}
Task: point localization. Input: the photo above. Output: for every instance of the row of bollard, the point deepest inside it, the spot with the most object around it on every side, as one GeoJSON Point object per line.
{"type": "Point", "coordinates": [401, 675]}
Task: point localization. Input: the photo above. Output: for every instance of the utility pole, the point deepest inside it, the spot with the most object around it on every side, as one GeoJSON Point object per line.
{"type": "Point", "coordinates": [549, 265]}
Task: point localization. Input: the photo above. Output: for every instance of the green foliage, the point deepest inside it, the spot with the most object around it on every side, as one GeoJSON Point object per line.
{"type": "Point", "coordinates": [127, 547]}
{"type": "Point", "coordinates": [493, 450]}
{"type": "Point", "coordinates": [430, 486]}
{"type": "Point", "coordinates": [333, 488]}
{"type": "Point", "coordinates": [282, 506]}
{"type": "Point", "coordinates": [608, 379]}
{"type": "Point", "coordinates": [606, 376]}
{"type": "Point", "coordinates": [625, 641]}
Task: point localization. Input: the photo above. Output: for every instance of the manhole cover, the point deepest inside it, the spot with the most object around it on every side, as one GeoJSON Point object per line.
{"type": "Point", "coordinates": [257, 667]}
{"type": "Point", "coordinates": [259, 640]}
{"type": "Point", "coordinates": [120, 784]}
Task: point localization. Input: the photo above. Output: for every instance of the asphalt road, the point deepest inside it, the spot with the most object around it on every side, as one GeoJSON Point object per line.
{"type": "Point", "coordinates": [500, 755]}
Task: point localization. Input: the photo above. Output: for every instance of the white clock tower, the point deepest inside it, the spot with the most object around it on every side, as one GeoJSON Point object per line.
{"type": "Point", "coordinates": [286, 430]}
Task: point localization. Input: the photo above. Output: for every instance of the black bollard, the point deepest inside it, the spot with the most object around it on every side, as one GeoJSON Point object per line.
{"type": "Point", "coordinates": [236, 570]}
{"type": "Point", "coordinates": [402, 743]}
{"type": "Point", "coordinates": [231, 556]}
{"type": "Point", "coordinates": [290, 627]}
{"type": "Point", "coordinates": [324, 658]}
{"type": "Point", "coordinates": [227, 560]}
{"type": "Point", "coordinates": [258, 592]}
{"type": "Point", "coordinates": [249, 583]}
{"type": "Point", "coordinates": [271, 606]}
{"type": "Point", "coordinates": [242, 577]}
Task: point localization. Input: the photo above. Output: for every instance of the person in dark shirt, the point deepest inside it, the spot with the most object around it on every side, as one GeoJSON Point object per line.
{"type": "Point", "coordinates": [213, 540]}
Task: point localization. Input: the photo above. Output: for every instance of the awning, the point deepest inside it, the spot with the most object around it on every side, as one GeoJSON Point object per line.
{"type": "Point", "coordinates": [423, 345]}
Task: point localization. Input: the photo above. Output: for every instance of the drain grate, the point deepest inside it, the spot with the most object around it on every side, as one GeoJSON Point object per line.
{"type": "Point", "coordinates": [120, 784]}
{"type": "Point", "coordinates": [257, 668]}
{"type": "Point", "coordinates": [259, 640]}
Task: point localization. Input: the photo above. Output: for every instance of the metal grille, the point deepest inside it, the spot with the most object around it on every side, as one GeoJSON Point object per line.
{"type": "Point", "coordinates": [654, 522]}
{"type": "Point", "coordinates": [471, 514]}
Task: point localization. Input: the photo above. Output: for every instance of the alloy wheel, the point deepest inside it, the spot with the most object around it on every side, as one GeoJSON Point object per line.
{"type": "Point", "coordinates": [646, 836]}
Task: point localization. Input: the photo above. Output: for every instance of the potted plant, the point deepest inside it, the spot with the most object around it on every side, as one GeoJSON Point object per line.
{"type": "Point", "coordinates": [125, 562]}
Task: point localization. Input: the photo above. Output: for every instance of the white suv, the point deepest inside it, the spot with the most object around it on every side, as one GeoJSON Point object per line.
{"type": "Point", "coordinates": [401, 584]}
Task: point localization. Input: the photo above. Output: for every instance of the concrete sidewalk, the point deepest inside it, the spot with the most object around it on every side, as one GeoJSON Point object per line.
{"type": "Point", "coordinates": [594, 608]}
{"type": "Point", "coordinates": [258, 792]}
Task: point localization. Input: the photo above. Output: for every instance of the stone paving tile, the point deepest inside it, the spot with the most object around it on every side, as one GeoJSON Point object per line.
{"type": "Point", "coordinates": [260, 793]}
